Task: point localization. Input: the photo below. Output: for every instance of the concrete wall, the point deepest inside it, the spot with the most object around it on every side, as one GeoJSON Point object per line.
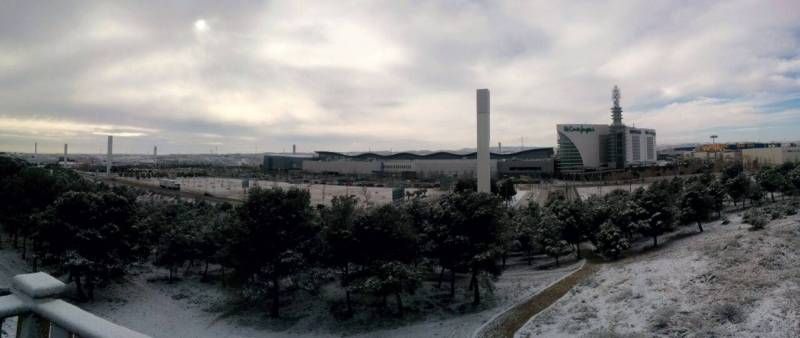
{"type": "Point", "coordinates": [770, 156]}
{"type": "Point", "coordinates": [342, 167]}
{"type": "Point", "coordinates": [422, 168]}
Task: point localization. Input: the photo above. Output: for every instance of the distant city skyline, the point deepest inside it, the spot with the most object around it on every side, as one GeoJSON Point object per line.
{"type": "Point", "coordinates": [190, 77]}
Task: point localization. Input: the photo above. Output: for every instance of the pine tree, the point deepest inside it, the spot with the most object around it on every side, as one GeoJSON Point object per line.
{"type": "Point", "coordinates": [610, 241]}
{"type": "Point", "coordinates": [271, 239]}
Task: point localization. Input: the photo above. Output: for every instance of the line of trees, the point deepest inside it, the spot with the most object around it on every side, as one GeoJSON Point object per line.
{"type": "Point", "coordinates": [277, 243]}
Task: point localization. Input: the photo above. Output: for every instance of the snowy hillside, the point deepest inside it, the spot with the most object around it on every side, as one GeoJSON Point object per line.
{"type": "Point", "coordinates": [726, 282]}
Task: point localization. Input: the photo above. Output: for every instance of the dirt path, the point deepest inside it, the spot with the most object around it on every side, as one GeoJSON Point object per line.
{"type": "Point", "coordinates": [511, 321]}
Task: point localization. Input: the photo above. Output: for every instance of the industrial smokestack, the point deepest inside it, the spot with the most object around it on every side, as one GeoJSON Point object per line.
{"type": "Point", "coordinates": [294, 149]}
{"type": "Point", "coordinates": [108, 156]}
{"type": "Point", "coordinates": [500, 147]}
{"type": "Point", "coordinates": [36, 152]}
{"type": "Point", "coordinates": [65, 154]}
{"type": "Point", "coordinates": [155, 156]}
{"type": "Point", "coordinates": [484, 174]}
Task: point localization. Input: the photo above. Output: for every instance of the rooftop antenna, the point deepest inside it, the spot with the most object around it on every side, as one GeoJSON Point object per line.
{"type": "Point", "coordinates": [616, 110]}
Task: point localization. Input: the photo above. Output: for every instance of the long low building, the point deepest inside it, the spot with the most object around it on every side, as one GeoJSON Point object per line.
{"type": "Point", "coordinates": [772, 156]}
{"type": "Point", "coordinates": [533, 162]}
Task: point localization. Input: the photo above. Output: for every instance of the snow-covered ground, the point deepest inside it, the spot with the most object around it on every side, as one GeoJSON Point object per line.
{"type": "Point", "coordinates": [602, 190]}
{"type": "Point", "coordinates": [193, 309]}
{"type": "Point", "coordinates": [726, 282]}
{"type": "Point", "coordinates": [320, 193]}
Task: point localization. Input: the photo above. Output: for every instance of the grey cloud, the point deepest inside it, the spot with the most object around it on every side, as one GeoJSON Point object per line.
{"type": "Point", "coordinates": [545, 63]}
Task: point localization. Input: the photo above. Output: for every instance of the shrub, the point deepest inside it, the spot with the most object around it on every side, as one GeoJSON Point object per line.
{"type": "Point", "coordinates": [728, 312]}
{"type": "Point", "coordinates": [756, 218]}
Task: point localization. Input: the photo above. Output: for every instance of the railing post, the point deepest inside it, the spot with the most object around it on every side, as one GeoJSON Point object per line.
{"type": "Point", "coordinates": [31, 325]}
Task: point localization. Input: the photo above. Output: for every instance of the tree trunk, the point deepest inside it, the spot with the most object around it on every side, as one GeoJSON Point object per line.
{"type": "Point", "coordinates": [441, 278]}
{"type": "Point", "coordinates": [188, 267]}
{"type": "Point", "coordinates": [700, 226]}
{"type": "Point", "coordinates": [578, 250]}
{"type": "Point", "coordinates": [530, 257]}
{"type": "Point", "coordinates": [772, 195]}
{"type": "Point", "coordinates": [655, 241]}
{"type": "Point", "coordinates": [90, 286]}
{"type": "Point", "coordinates": [78, 285]}
{"type": "Point", "coordinates": [452, 283]}
{"type": "Point", "coordinates": [505, 255]}
{"type": "Point", "coordinates": [274, 312]}
{"type": "Point", "coordinates": [476, 295]}
{"type": "Point", "coordinates": [557, 261]}
{"type": "Point", "coordinates": [346, 290]}
{"type": "Point", "coordinates": [399, 303]}
{"type": "Point", "coordinates": [205, 271]}
{"type": "Point", "coordinates": [170, 274]}
{"type": "Point", "coordinates": [24, 247]}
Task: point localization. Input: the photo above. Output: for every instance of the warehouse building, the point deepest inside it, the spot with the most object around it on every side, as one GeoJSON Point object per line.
{"type": "Point", "coordinates": [534, 162]}
{"type": "Point", "coordinates": [755, 158]}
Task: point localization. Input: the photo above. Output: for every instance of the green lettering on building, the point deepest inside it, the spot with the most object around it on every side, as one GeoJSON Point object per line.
{"type": "Point", "coordinates": [579, 129]}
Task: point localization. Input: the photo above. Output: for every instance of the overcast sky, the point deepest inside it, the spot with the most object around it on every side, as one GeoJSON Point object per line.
{"type": "Point", "coordinates": [190, 76]}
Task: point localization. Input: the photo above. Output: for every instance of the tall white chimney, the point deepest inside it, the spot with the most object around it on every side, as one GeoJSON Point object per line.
{"type": "Point", "coordinates": [155, 156]}
{"type": "Point", "coordinates": [65, 154]}
{"type": "Point", "coordinates": [108, 156]}
{"type": "Point", "coordinates": [484, 174]}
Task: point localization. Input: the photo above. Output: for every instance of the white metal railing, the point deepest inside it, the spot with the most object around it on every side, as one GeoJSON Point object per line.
{"type": "Point", "coordinates": [40, 314]}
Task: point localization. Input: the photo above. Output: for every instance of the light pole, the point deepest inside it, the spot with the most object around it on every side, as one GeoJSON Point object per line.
{"type": "Point", "coordinates": [714, 145]}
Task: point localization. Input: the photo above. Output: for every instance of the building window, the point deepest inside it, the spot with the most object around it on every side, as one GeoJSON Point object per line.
{"type": "Point", "coordinates": [651, 148]}
{"type": "Point", "coordinates": [636, 147]}
{"type": "Point", "coordinates": [568, 156]}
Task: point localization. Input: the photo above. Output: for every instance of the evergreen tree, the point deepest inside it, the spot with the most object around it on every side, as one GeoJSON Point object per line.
{"type": "Point", "coordinates": [549, 236]}
{"type": "Point", "coordinates": [737, 187]}
{"type": "Point", "coordinates": [526, 223]}
{"type": "Point", "coordinates": [476, 223]}
{"type": "Point", "coordinates": [341, 248]}
{"type": "Point", "coordinates": [387, 245]}
{"type": "Point", "coordinates": [507, 190]}
{"type": "Point", "coordinates": [610, 241]}
{"type": "Point", "coordinates": [92, 235]}
{"type": "Point", "coordinates": [272, 238]}
{"type": "Point", "coordinates": [696, 204]}
{"type": "Point", "coordinates": [770, 180]}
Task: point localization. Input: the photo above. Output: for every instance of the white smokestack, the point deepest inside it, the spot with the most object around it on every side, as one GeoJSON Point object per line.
{"type": "Point", "coordinates": [155, 156]}
{"type": "Point", "coordinates": [108, 156]}
{"type": "Point", "coordinates": [65, 154]}
{"type": "Point", "coordinates": [484, 174]}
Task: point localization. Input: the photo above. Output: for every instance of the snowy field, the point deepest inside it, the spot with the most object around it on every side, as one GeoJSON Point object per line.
{"type": "Point", "coordinates": [726, 282]}
{"type": "Point", "coordinates": [193, 309]}
{"type": "Point", "coordinates": [320, 193]}
{"type": "Point", "coordinates": [602, 190]}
